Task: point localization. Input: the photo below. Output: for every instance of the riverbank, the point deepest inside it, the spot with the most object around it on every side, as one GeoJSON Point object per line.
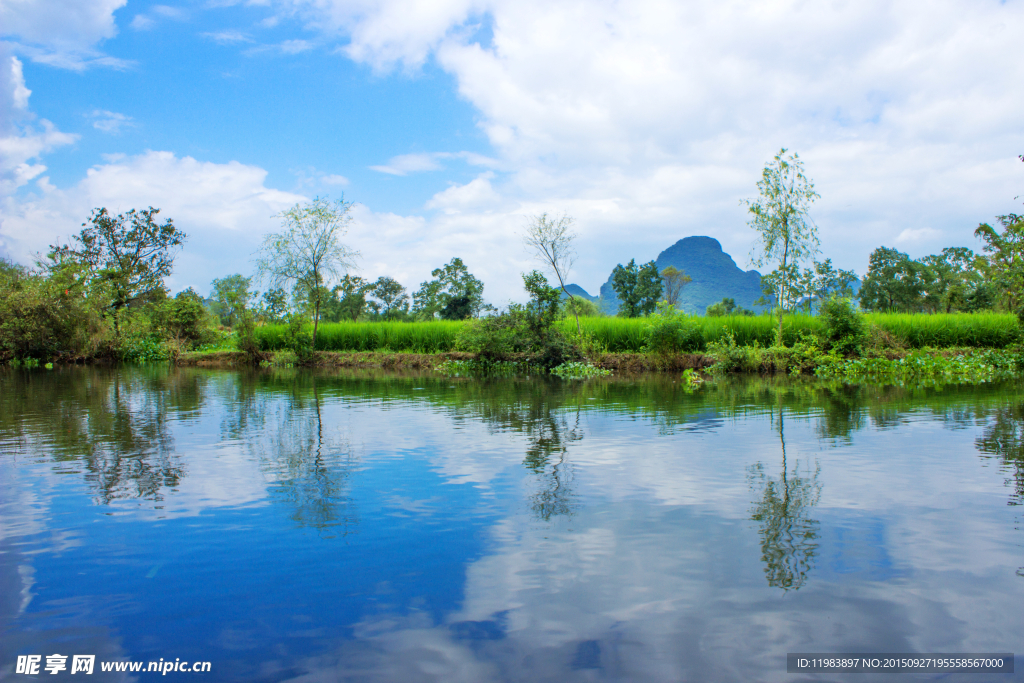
{"type": "Point", "coordinates": [616, 362]}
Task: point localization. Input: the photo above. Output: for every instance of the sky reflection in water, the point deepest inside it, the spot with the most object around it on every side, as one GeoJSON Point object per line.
{"type": "Point", "coordinates": [303, 527]}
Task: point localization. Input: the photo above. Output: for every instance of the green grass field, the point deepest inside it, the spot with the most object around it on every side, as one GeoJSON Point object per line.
{"type": "Point", "coordinates": [625, 335]}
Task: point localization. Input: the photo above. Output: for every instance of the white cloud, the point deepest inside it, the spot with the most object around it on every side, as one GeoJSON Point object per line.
{"type": "Point", "coordinates": [169, 12]}
{"type": "Point", "coordinates": [141, 22]}
{"type": "Point", "coordinates": [404, 164]}
{"type": "Point", "coordinates": [19, 149]}
{"type": "Point", "coordinates": [474, 194]}
{"type": "Point", "coordinates": [914, 235]}
{"type": "Point", "coordinates": [409, 163]}
{"type": "Point", "coordinates": [294, 47]}
{"type": "Point", "coordinates": [20, 93]}
{"type": "Point", "coordinates": [110, 121]}
{"type": "Point", "coordinates": [334, 179]}
{"type": "Point", "coordinates": [651, 119]}
{"type": "Point", "coordinates": [224, 208]}
{"type": "Point", "coordinates": [228, 37]}
{"type": "Point", "coordinates": [61, 33]}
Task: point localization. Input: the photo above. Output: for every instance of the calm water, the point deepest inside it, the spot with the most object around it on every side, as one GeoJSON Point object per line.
{"type": "Point", "coordinates": [320, 527]}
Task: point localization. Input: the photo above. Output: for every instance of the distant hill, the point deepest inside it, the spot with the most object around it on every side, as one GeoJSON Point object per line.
{"type": "Point", "coordinates": [576, 290]}
{"type": "Point", "coordinates": [715, 276]}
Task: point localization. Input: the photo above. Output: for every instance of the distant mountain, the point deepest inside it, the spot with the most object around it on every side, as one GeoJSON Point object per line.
{"type": "Point", "coordinates": [714, 274]}
{"type": "Point", "coordinates": [576, 290]}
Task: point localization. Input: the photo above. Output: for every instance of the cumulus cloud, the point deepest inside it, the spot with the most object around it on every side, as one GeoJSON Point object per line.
{"type": "Point", "coordinates": [655, 118]}
{"type": "Point", "coordinates": [22, 141]}
{"type": "Point", "coordinates": [224, 208]}
{"type": "Point", "coordinates": [61, 33]}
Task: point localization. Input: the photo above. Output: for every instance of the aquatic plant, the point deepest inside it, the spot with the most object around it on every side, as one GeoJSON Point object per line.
{"type": "Point", "coordinates": [578, 370]}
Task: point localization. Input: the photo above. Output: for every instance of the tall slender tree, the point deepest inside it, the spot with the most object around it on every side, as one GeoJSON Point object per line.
{"type": "Point", "coordinates": [308, 251]}
{"type": "Point", "coordinates": [780, 216]}
{"type": "Point", "coordinates": [551, 239]}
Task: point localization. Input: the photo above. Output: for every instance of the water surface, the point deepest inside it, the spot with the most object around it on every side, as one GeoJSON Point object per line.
{"type": "Point", "coordinates": [293, 526]}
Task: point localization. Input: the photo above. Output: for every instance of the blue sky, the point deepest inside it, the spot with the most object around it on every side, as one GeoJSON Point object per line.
{"type": "Point", "coordinates": [450, 122]}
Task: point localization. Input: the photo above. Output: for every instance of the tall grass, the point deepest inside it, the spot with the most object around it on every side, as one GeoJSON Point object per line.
{"type": "Point", "coordinates": [629, 335]}
{"type": "Point", "coordinates": [423, 337]}
{"type": "Point", "coordinates": [993, 330]}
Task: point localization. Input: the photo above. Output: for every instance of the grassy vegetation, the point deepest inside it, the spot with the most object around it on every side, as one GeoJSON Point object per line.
{"type": "Point", "coordinates": [421, 337]}
{"type": "Point", "coordinates": [944, 330]}
{"type": "Point", "coordinates": [630, 335]}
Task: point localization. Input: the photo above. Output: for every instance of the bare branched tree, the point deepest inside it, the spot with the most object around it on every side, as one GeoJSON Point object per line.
{"type": "Point", "coordinates": [308, 251]}
{"type": "Point", "coordinates": [551, 239]}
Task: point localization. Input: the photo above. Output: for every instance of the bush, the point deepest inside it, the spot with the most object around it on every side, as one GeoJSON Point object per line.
{"type": "Point", "coordinates": [672, 334]}
{"type": "Point", "coordinates": [186, 319]}
{"type": "Point", "coordinates": [300, 338]}
{"type": "Point", "coordinates": [46, 316]}
{"type": "Point", "coordinates": [522, 329]}
{"type": "Point", "coordinates": [730, 357]}
{"type": "Point", "coordinates": [246, 337]}
{"type": "Point", "coordinates": [844, 327]}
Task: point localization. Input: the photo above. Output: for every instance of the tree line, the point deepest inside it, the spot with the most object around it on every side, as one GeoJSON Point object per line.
{"type": "Point", "coordinates": [103, 293]}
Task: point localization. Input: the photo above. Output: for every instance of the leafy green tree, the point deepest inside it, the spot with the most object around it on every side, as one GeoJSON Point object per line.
{"type": "Point", "coordinates": [453, 294]}
{"type": "Point", "coordinates": [389, 297]}
{"type": "Point", "coordinates": [674, 280]}
{"type": "Point", "coordinates": [955, 281]}
{"type": "Point", "coordinates": [639, 288]}
{"type": "Point", "coordinates": [308, 252]}
{"type": "Point", "coordinates": [726, 306]}
{"type": "Point", "coordinates": [346, 300]}
{"type": "Point", "coordinates": [807, 287]}
{"type": "Point", "coordinates": [1005, 257]}
{"type": "Point", "coordinates": [231, 296]}
{"type": "Point", "coordinates": [273, 305]}
{"type": "Point", "coordinates": [893, 282]}
{"type": "Point", "coordinates": [830, 282]}
{"type": "Point", "coordinates": [772, 286]}
{"type": "Point", "coordinates": [47, 315]}
{"type": "Point", "coordinates": [125, 257]}
{"type": "Point", "coordinates": [185, 318]}
{"type": "Point", "coordinates": [780, 216]}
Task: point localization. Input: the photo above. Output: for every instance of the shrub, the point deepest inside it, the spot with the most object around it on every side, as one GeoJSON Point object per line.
{"type": "Point", "coordinates": [844, 327]}
{"type": "Point", "coordinates": [527, 329]}
{"type": "Point", "coordinates": [672, 334]}
{"type": "Point", "coordinates": [46, 316]}
{"type": "Point", "coordinates": [730, 357]}
{"type": "Point", "coordinates": [186, 319]}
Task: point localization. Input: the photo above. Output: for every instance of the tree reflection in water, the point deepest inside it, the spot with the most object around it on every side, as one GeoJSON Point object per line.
{"type": "Point", "coordinates": [550, 436]}
{"type": "Point", "coordinates": [789, 537]}
{"type": "Point", "coordinates": [1003, 437]}
{"type": "Point", "coordinates": [311, 465]}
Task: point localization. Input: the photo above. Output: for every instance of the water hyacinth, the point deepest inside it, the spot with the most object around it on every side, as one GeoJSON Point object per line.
{"type": "Point", "coordinates": [925, 368]}
{"type": "Point", "coordinates": [577, 370]}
